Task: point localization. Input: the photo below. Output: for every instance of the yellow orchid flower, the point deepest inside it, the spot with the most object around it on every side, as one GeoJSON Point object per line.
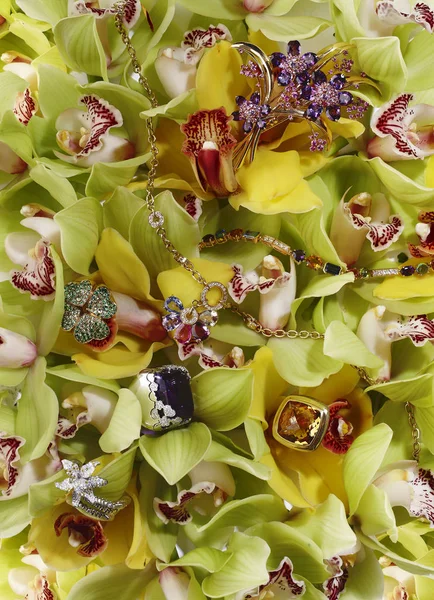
{"type": "Point", "coordinates": [128, 280]}
{"type": "Point", "coordinates": [307, 478]}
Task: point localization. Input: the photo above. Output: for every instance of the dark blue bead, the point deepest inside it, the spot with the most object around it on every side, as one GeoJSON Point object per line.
{"type": "Point", "coordinates": [220, 234]}
{"type": "Point", "coordinates": [247, 127]}
{"type": "Point", "coordinates": [332, 269]}
{"type": "Point", "coordinates": [276, 58]}
{"type": "Point", "coordinates": [338, 81]}
{"type": "Point", "coordinates": [240, 100]}
{"type": "Point", "coordinates": [345, 98]}
{"type": "Point", "coordinates": [255, 98]}
{"type": "Point", "coordinates": [302, 77]}
{"type": "Point", "coordinates": [306, 92]}
{"type": "Point", "coordinates": [283, 78]}
{"type": "Point", "coordinates": [333, 112]}
{"type": "Point", "coordinates": [407, 270]}
{"type": "Point", "coordinates": [294, 48]}
{"type": "Point", "coordinates": [319, 77]}
{"type": "Point", "coordinates": [299, 255]}
{"type": "Point", "coordinates": [313, 112]}
{"type": "Point", "coordinates": [310, 59]}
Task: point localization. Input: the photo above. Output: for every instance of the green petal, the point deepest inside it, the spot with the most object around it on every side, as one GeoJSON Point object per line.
{"type": "Point", "coordinates": [218, 9]}
{"type": "Point", "coordinates": [342, 344]}
{"type": "Point", "coordinates": [37, 413]}
{"type": "Point", "coordinates": [113, 583]}
{"type": "Point", "coordinates": [245, 569]}
{"type": "Point", "coordinates": [119, 210]}
{"type": "Point", "coordinates": [285, 540]}
{"type": "Point", "coordinates": [60, 188]}
{"type": "Point", "coordinates": [50, 11]}
{"type": "Point", "coordinates": [391, 70]}
{"type": "Point", "coordinates": [219, 453]}
{"type": "Point", "coordinates": [14, 516]}
{"type": "Point", "coordinates": [327, 528]}
{"type": "Point", "coordinates": [302, 362]}
{"type": "Point", "coordinates": [58, 91]}
{"type": "Point", "coordinates": [424, 588]}
{"type": "Point", "coordinates": [418, 59]}
{"type": "Point", "coordinates": [374, 512]}
{"type": "Point", "coordinates": [182, 231]}
{"type": "Point", "coordinates": [425, 422]}
{"type": "Point", "coordinates": [286, 28]}
{"type": "Point", "coordinates": [403, 187]}
{"type": "Point", "coordinates": [22, 27]}
{"type": "Point", "coordinates": [79, 45]}
{"type": "Point", "coordinates": [10, 84]}
{"type": "Point", "coordinates": [118, 474]}
{"type": "Point", "coordinates": [73, 373]}
{"type": "Point", "coordinates": [105, 177]}
{"type": "Point", "coordinates": [238, 513]}
{"type": "Point", "coordinates": [177, 109]}
{"type": "Point", "coordinates": [210, 559]}
{"type": "Point", "coordinates": [49, 325]}
{"type": "Point", "coordinates": [366, 578]}
{"type": "Point", "coordinates": [14, 134]}
{"type": "Point", "coordinates": [44, 494]}
{"type": "Point", "coordinates": [161, 538]}
{"type": "Point", "coordinates": [80, 226]}
{"type": "Point", "coordinates": [124, 425]}
{"type": "Point", "coordinates": [396, 417]}
{"type": "Point", "coordinates": [222, 397]}
{"type": "Point", "coordinates": [176, 452]}
{"type": "Point", "coordinates": [344, 15]}
{"type": "Point", "coordinates": [256, 437]}
{"type": "Point", "coordinates": [417, 390]}
{"type": "Point", "coordinates": [363, 460]}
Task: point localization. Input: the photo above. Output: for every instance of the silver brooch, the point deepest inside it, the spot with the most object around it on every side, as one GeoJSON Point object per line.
{"type": "Point", "coordinates": [82, 483]}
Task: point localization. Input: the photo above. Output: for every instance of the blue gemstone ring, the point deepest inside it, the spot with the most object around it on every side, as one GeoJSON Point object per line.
{"type": "Point", "coordinates": [165, 397]}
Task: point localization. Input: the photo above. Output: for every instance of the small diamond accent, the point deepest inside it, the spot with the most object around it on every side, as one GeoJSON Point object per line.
{"type": "Point", "coordinates": [384, 272]}
{"type": "Point", "coordinates": [156, 219]}
{"type": "Point", "coordinates": [189, 316]}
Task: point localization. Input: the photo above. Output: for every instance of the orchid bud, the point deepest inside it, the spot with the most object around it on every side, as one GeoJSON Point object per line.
{"type": "Point", "coordinates": [176, 76]}
{"type": "Point", "coordinates": [275, 302]}
{"type": "Point", "coordinates": [371, 331]}
{"type": "Point", "coordinates": [257, 6]}
{"type": "Point", "coordinates": [16, 351]}
{"type": "Point", "coordinates": [347, 240]}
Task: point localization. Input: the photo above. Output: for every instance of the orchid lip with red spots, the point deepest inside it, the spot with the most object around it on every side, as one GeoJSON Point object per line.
{"type": "Point", "coordinates": [397, 135]}
{"type": "Point", "coordinates": [425, 232]}
{"type": "Point", "coordinates": [197, 40]}
{"type": "Point", "coordinates": [421, 14]}
{"type": "Point", "coordinates": [338, 437]}
{"type": "Point", "coordinates": [419, 328]}
{"type": "Point", "coordinates": [9, 456]}
{"type": "Point", "coordinates": [93, 7]}
{"type": "Point", "coordinates": [281, 584]}
{"type": "Point", "coordinates": [84, 533]}
{"type": "Point", "coordinates": [177, 511]}
{"type": "Point", "coordinates": [335, 585]}
{"type": "Point", "coordinates": [209, 146]}
{"type": "Point", "coordinates": [25, 106]}
{"type": "Point", "coordinates": [38, 276]}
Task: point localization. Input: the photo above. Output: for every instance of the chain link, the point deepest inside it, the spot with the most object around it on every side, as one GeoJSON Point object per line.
{"type": "Point", "coordinates": [415, 431]}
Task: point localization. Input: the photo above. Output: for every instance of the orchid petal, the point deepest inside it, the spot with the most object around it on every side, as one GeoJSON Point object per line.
{"type": "Point", "coordinates": [9, 161]}
{"type": "Point", "coordinates": [9, 455]}
{"type": "Point", "coordinates": [421, 14]}
{"type": "Point", "coordinates": [371, 332]}
{"type": "Point", "coordinates": [16, 351]}
{"type": "Point", "coordinates": [347, 241]}
{"type": "Point", "coordinates": [177, 511]}
{"type": "Point", "coordinates": [138, 318]}
{"type": "Point", "coordinates": [174, 583]}
{"type": "Point", "coordinates": [197, 40]}
{"type": "Point", "coordinates": [18, 246]}
{"type": "Point", "coordinates": [275, 302]}
{"type": "Point", "coordinates": [131, 11]}
{"type": "Point", "coordinates": [175, 75]}
{"type": "Point", "coordinates": [25, 107]}
{"type": "Point", "coordinates": [38, 275]}
{"type": "Point", "coordinates": [418, 328]}
{"type": "Point", "coordinates": [85, 534]}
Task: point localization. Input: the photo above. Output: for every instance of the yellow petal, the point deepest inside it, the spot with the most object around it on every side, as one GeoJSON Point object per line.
{"type": "Point", "coordinates": [259, 39]}
{"type": "Point", "coordinates": [116, 363]}
{"type": "Point", "coordinates": [268, 386]}
{"type": "Point", "coordinates": [56, 552]}
{"type": "Point", "coordinates": [336, 386]}
{"type": "Point", "coordinates": [121, 269]}
{"type": "Point", "coordinates": [311, 162]}
{"type": "Point", "coordinates": [394, 288]}
{"type": "Point", "coordinates": [347, 128]}
{"type": "Point", "coordinates": [273, 183]}
{"type": "Point", "coordinates": [282, 484]}
{"type": "Point", "coordinates": [218, 78]}
{"type": "Point", "coordinates": [177, 282]}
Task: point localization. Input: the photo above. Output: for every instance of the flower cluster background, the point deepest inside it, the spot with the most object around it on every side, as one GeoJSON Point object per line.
{"type": "Point", "coordinates": [219, 507]}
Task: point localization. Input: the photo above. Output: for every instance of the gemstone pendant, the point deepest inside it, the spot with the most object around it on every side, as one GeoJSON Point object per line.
{"type": "Point", "coordinates": [300, 423]}
{"type": "Point", "coordinates": [165, 396]}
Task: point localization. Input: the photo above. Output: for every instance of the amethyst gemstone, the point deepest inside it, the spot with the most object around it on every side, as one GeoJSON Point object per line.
{"type": "Point", "coordinates": [299, 255]}
{"type": "Point", "coordinates": [319, 77]}
{"type": "Point", "coordinates": [236, 115]}
{"type": "Point", "coordinates": [333, 112]}
{"type": "Point", "coordinates": [306, 92]}
{"type": "Point", "coordinates": [313, 111]}
{"type": "Point", "coordinates": [171, 403]}
{"type": "Point", "coordinates": [240, 100]}
{"type": "Point", "coordinates": [276, 58]}
{"type": "Point", "coordinates": [310, 59]}
{"type": "Point", "coordinates": [265, 110]}
{"type": "Point", "coordinates": [171, 321]}
{"type": "Point", "coordinates": [302, 77]}
{"type": "Point", "coordinates": [345, 98]}
{"type": "Point", "coordinates": [284, 78]}
{"type": "Point", "coordinates": [255, 98]}
{"type": "Point", "coordinates": [294, 48]}
{"type": "Point", "coordinates": [407, 270]}
{"type": "Point", "coordinates": [261, 123]}
{"type": "Point", "coordinates": [247, 127]}
{"type": "Point", "coordinates": [338, 81]}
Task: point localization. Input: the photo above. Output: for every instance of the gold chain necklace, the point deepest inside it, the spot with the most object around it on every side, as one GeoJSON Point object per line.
{"type": "Point", "coordinates": [156, 220]}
